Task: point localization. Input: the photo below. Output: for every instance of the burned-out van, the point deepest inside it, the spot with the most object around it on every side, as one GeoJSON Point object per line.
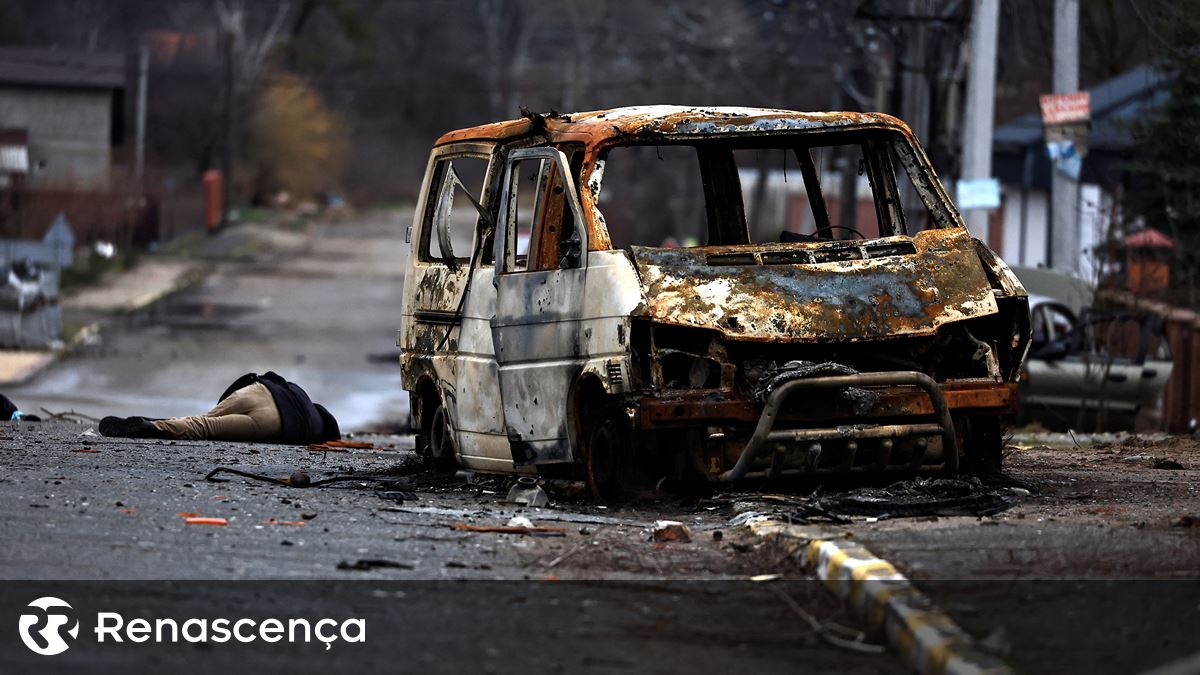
{"type": "Point", "coordinates": [706, 292]}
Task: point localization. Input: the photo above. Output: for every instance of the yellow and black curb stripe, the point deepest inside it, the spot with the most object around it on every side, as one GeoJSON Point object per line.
{"type": "Point", "coordinates": [886, 601]}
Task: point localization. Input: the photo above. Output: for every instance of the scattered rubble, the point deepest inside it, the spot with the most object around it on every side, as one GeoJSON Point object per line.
{"type": "Point", "coordinates": [519, 529]}
{"type": "Point", "coordinates": [671, 530]}
{"type": "Point", "coordinates": [527, 492]}
{"type": "Point", "coordinates": [368, 564]}
{"type": "Point", "coordinates": [220, 522]}
{"type": "Point", "coordinates": [914, 498]}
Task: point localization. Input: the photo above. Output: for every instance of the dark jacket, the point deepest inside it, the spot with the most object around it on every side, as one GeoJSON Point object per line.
{"type": "Point", "coordinates": [303, 421]}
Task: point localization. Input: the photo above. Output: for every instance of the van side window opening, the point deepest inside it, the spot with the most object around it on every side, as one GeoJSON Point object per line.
{"type": "Point", "coordinates": [543, 234]}
{"type": "Point", "coordinates": [526, 206]}
{"type": "Point", "coordinates": [450, 218]}
{"type": "Point", "coordinates": [748, 191]}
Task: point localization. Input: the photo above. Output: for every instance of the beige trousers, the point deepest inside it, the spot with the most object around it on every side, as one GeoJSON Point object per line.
{"type": "Point", "coordinates": [248, 414]}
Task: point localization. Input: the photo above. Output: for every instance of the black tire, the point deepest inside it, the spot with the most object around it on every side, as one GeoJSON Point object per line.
{"type": "Point", "coordinates": [606, 456]}
{"type": "Point", "coordinates": [440, 441]}
{"type": "Point", "coordinates": [983, 443]}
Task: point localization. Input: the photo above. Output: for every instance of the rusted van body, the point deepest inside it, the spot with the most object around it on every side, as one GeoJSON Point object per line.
{"type": "Point", "coordinates": [586, 293]}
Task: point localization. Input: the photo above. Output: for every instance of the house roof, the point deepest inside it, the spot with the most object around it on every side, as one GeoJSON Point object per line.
{"type": "Point", "coordinates": [670, 120]}
{"type": "Point", "coordinates": [55, 68]}
{"type": "Point", "coordinates": [1149, 238]}
{"type": "Point", "coordinates": [1115, 103]}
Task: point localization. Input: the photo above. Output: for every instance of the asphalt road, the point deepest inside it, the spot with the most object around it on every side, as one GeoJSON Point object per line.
{"type": "Point", "coordinates": [321, 308]}
{"type": "Point", "coordinates": [1095, 568]}
{"type": "Point", "coordinates": [76, 508]}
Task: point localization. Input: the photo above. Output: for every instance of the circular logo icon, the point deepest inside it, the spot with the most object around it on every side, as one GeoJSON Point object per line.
{"type": "Point", "coordinates": [43, 624]}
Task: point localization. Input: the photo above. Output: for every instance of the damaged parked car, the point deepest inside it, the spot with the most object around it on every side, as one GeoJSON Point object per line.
{"type": "Point", "coordinates": [586, 296]}
{"type": "Point", "coordinates": [1094, 372]}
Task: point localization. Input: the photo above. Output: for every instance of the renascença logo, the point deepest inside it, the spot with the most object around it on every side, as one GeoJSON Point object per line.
{"type": "Point", "coordinates": [42, 629]}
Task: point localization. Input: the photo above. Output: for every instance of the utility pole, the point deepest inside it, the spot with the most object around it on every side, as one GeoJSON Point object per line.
{"type": "Point", "coordinates": [914, 78]}
{"type": "Point", "coordinates": [1064, 250]}
{"type": "Point", "coordinates": [981, 99]}
{"type": "Point", "coordinates": [139, 161]}
{"type": "Point", "coordinates": [230, 125]}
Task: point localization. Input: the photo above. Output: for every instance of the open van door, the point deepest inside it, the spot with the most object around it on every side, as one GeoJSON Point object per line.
{"type": "Point", "coordinates": [540, 282]}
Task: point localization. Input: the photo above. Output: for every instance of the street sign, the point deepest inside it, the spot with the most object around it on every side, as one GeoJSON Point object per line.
{"type": "Point", "coordinates": [1066, 108]}
{"type": "Point", "coordinates": [980, 193]}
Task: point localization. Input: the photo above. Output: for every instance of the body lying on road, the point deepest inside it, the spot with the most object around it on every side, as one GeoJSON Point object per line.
{"type": "Point", "coordinates": [256, 408]}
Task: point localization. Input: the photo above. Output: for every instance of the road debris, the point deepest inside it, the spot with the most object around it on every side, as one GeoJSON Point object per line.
{"type": "Point", "coordinates": [1167, 463]}
{"type": "Point", "coordinates": [527, 492]}
{"type": "Point", "coordinates": [915, 498]}
{"type": "Point", "coordinates": [87, 450]}
{"type": "Point", "coordinates": [398, 496]}
{"type": "Point", "coordinates": [834, 634]}
{"type": "Point", "coordinates": [299, 478]}
{"type": "Point", "coordinates": [220, 522]}
{"type": "Point", "coordinates": [368, 564]}
{"type": "Point", "coordinates": [1187, 521]}
{"type": "Point", "coordinates": [499, 529]}
{"type": "Point", "coordinates": [671, 530]}
{"type": "Point", "coordinates": [356, 445]}
{"type": "Point", "coordinates": [520, 521]}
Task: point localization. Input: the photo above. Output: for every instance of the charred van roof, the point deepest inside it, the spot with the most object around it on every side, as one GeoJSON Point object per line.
{"type": "Point", "coordinates": [667, 120]}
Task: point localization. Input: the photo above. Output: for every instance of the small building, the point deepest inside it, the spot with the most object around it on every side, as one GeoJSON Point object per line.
{"type": "Point", "coordinates": [61, 115]}
{"type": "Point", "coordinates": [1019, 230]}
{"type": "Point", "coordinates": [1148, 262]}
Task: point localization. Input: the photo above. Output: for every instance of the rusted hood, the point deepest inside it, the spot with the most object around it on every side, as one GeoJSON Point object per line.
{"type": "Point", "coordinates": [897, 286]}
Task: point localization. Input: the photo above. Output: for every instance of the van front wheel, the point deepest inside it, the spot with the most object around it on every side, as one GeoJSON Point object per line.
{"type": "Point", "coordinates": [606, 456]}
{"type": "Point", "coordinates": [441, 441]}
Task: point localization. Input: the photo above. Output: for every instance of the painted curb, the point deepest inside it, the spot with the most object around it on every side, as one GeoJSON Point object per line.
{"type": "Point", "coordinates": [889, 604]}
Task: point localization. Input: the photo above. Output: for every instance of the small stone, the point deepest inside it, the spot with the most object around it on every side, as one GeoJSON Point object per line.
{"type": "Point", "coordinates": [671, 530]}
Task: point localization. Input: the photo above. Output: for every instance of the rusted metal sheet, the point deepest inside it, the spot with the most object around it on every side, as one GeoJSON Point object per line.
{"type": "Point", "coordinates": [848, 300]}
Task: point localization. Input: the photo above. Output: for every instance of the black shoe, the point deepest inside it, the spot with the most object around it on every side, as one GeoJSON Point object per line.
{"type": "Point", "coordinates": [129, 427]}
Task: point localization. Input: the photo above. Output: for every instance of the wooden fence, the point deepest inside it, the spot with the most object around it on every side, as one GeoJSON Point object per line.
{"type": "Point", "coordinates": [1181, 397]}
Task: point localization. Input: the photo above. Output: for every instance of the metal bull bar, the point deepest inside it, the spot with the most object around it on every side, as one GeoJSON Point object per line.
{"type": "Point", "coordinates": [764, 433]}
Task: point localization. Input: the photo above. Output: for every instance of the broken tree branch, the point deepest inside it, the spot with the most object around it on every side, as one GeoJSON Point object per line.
{"type": "Point", "coordinates": [826, 630]}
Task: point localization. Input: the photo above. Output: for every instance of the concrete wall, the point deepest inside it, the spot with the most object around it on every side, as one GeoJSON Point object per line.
{"type": "Point", "coordinates": [1034, 250]}
{"type": "Point", "coordinates": [70, 133]}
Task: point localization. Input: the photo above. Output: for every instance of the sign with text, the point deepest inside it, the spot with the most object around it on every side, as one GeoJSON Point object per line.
{"type": "Point", "coordinates": [1066, 108]}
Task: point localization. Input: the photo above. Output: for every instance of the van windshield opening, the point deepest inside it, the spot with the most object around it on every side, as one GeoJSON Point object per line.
{"type": "Point", "coordinates": [729, 192]}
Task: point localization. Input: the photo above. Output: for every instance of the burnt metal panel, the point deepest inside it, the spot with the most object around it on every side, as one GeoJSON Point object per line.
{"type": "Point", "coordinates": [847, 300]}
